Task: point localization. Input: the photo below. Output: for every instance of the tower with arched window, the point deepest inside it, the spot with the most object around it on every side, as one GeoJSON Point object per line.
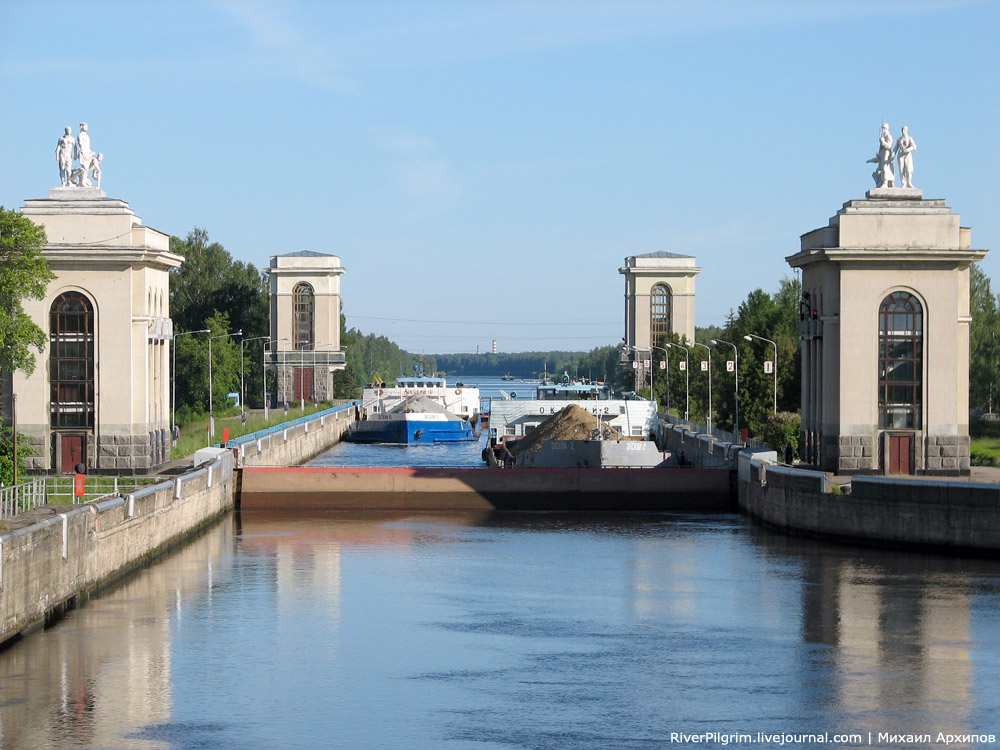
{"type": "Point", "coordinates": [100, 392]}
{"type": "Point", "coordinates": [884, 328]}
{"type": "Point", "coordinates": [659, 298]}
{"type": "Point", "coordinates": [304, 349]}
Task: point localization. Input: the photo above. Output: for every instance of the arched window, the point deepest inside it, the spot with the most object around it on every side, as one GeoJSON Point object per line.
{"type": "Point", "coordinates": [302, 316]}
{"type": "Point", "coordinates": [900, 362]}
{"type": "Point", "coordinates": [660, 313]}
{"type": "Point", "coordinates": [71, 361]}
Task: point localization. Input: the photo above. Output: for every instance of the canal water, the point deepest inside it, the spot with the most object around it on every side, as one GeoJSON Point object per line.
{"type": "Point", "coordinates": [498, 631]}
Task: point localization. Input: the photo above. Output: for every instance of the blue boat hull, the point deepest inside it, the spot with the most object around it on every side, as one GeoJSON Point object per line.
{"type": "Point", "coordinates": [410, 431]}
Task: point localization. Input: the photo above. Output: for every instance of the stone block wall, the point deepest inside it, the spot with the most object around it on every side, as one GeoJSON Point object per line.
{"type": "Point", "coordinates": [856, 453]}
{"type": "Point", "coordinates": [949, 454]}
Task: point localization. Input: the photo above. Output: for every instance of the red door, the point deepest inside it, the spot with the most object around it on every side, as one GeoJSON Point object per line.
{"type": "Point", "coordinates": [303, 386]}
{"type": "Point", "coordinates": [71, 453]}
{"type": "Point", "coordinates": [900, 453]}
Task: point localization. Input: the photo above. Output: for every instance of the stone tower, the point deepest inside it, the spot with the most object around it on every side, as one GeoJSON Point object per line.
{"type": "Point", "coordinates": [885, 336]}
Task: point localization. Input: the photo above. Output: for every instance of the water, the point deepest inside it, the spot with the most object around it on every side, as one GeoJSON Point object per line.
{"type": "Point", "coordinates": [500, 630]}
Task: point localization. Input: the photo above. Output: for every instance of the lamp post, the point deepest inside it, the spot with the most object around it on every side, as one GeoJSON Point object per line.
{"type": "Point", "coordinates": [708, 421]}
{"type": "Point", "coordinates": [211, 411]}
{"type": "Point", "coordinates": [242, 342]}
{"type": "Point", "coordinates": [736, 392]}
{"type": "Point", "coordinates": [687, 381]}
{"type": "Point", "coordinates": [774, 367]}
{"type": "Point", "coordinates": [173, 382]}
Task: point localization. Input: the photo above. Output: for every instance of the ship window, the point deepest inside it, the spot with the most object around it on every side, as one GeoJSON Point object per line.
{"type": "Point", "coordinates": [660, 313]}
{"type": "Point", "coordinates": [900, 359]}
{"type": "Point", "coordinates": [302, 316]}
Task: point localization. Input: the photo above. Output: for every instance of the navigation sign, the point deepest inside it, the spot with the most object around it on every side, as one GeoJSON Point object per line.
{"type": "Point", "coordinates": [704, 365]}
{"type": "Point", "coordinates": [730, 365]}
{"type": "Point", "coordinates": [663, 364]}
{"type": "Point", "coordinates": [768, 367]}
{"type": "Point", "coordinates": [682, 366]}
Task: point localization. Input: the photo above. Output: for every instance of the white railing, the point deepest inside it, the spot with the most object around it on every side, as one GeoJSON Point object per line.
{"type": "Point", "coordinates": [22, 497]}
{"type": "Point", "coordinates": [61, 490]}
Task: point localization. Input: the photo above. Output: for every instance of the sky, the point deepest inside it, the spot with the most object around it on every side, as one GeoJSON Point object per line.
{"type": "Point", "coordinates": [482, 169]}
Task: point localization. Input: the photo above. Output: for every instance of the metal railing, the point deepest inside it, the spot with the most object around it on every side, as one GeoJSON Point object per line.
{"type": "Point", "coordinates": [20, 498]}
{"type": "Point", "coordinates": [253, 436]}
{"type": "Point", "coordinates": [60, 490]}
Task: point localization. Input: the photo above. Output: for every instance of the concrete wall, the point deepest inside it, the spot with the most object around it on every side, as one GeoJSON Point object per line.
{"type": "Point", "coordinates": [663, 490]}
{"type": "Point", "coordinates": [44, 567]}
{"type": "Point", "coordinates": [699, 449]}
{"type": "Point", "coordinates": [953, 516]}
{"type": "Point", "coordinates": [296, 444]}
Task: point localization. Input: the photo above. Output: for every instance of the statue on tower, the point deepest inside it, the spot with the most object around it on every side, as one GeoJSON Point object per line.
{"type": "Point", "coordinates": [64, 156]}
{"type": "Point", "coordinates": [69, 148]}
{"type": "Point", "coordinates": [903, 152]}
{"type": "Point", "coordinates": [883, 175]}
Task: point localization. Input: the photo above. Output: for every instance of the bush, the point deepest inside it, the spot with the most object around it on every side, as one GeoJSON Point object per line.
{"type": "Point", "coordinates": [782, 429]}
{"type": "Point", "coordinates": [981, 455]}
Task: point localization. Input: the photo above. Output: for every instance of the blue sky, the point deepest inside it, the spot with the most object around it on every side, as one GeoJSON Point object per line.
{"type": "Point", "coordinates": [483, 168]}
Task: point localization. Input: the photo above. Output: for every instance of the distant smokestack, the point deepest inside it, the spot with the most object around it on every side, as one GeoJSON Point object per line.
{"type": "Point", "coordinates": [494, 346]}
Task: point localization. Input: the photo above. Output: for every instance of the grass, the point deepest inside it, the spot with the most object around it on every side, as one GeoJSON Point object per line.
{"type": "Point", "coordinates": [194, 433]}
{"type": "Point", "coordinates": [985, 451]}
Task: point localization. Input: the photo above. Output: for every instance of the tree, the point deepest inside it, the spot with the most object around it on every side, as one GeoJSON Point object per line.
{"type": "Point", "coordinates": [774, 317]}
{"type": "Point", "coordinates": [984, 343]}
{"type": "Point", "coordinates": [24, 274]}
{"type": "Point", "coordinates": [210, 281]}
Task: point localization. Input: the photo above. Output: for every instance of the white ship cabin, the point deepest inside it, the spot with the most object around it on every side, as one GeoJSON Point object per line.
{"type": "Point", "coordinates": [517, 417]}
{"type": "Point", "coordinates": [379, 398]}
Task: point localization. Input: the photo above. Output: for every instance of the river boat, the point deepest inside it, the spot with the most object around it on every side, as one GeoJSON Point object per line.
{"type": "Point", "coordinates": [630, 415]}
{"type": "Point", "coordinates": [417, 419]}
{"type": "Point", "coordinates": [508, 376]}
{"type": "Point", "coordinates": [379, 398]}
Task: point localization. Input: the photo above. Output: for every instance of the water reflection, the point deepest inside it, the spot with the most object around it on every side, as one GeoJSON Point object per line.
{"type": "Point", "coordinates": [107, 665]}
{"type": "Point", "coordinates": [486, 629]}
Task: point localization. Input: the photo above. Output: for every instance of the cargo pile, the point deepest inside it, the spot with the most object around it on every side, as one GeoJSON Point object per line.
{"type": "Point", "coordinates": [569, 423]}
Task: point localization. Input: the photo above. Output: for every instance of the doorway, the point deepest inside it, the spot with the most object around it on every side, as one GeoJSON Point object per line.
{"type": "Point", "coordinates": [71, 452]}
{"type": "Point", "coordinates": [900, 454]}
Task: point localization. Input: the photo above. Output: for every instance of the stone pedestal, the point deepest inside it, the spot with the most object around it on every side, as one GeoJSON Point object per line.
{"type": "Point", "coordinates": [865, 409]}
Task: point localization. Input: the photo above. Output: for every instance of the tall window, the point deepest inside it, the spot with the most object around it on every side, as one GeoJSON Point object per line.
{"type": "Point", "coordinates": [302, 316]}
{"type": "Point", "coordinates": [660, 313]}
{"type": "Point", "coordinates": [900, 362]}
{"type": "Point", "coordinates": [71, 361]}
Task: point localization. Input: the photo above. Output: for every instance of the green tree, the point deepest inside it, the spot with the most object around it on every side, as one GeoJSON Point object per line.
{"type": "Point", "coordinates": [192, 361]}
{"type": "Point", "coordinates": [24, 274]}
{"type": "Point", "coordinates": [210, 281]}
{"type": "Point", "coordinates": [984, 341]}
{"type": "Point", "coordinates": [773, 317]}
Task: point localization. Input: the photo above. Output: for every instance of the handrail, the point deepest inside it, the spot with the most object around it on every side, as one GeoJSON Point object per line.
{"type": "Point", "coordinates": [254, 436]}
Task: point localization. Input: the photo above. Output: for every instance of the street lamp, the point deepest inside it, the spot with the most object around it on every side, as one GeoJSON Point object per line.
{"type": "Point", "coordinates": [736, 393]}
{"type": "Point", "coordinates": [687, 381]}
{"type": "Point", "coordinates": [211, 412]}
{"type": "Point", "coordinates": [173, 382]}
{"type": "Point", "coordinates": [242, 342]}
{"type": "Point", "coordinates": [774, 367]}
{"type": "Point", "coordinates": [708, 422]}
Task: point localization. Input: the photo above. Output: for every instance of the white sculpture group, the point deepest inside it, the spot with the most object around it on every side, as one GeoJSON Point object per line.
{"type": "Point", "coordinates": [902, 152]}
{"type": "Point", "coordinates": [69, 148]}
